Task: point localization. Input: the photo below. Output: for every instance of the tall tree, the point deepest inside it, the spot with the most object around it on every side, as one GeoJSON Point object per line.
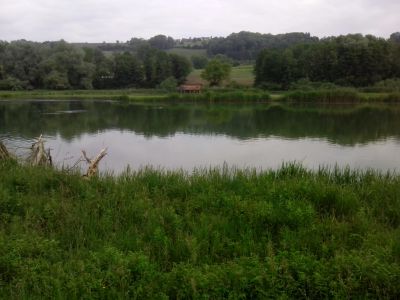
{"type": "Point", "coordinates": [216, 71]}
{"type": "Point", "coordinates": [181, 67]}
{"type": "Point", "coordinates": [162, 42]}
{"type": "Point", "coordinates": [127, 71]}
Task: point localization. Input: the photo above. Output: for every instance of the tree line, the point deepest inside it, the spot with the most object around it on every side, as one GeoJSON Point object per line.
{"type": "Point", "coordinates": [241, 46]}
{"type": "Point", "coordinates": [351, 60]}
{"type": "Point", "coordinates": [60, 65]}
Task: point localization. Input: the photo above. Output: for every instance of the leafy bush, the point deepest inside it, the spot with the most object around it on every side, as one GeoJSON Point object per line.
{"type": "Point", "coordinates": [13, 84]}
{"type": "Point", "coordinates": [307, 85]}
{"type": "Point", "coordinates": [169, 85]}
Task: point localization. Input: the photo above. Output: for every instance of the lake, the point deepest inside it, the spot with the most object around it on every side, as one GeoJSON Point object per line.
{"type": "Point", "coordinates": [196, 135]}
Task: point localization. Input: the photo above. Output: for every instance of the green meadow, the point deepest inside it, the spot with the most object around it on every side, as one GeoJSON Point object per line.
{"type": "Point", "coordinates": [222, 233]}
{"type": "Point", "coordinates": [241, 75]}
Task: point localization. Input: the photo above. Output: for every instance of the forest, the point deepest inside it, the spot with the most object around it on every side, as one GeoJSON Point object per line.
{"type": "Point", "coordinates": [60, 65]}
{"type": "Point", "coordinates": [351, 60]}
{"type": "Point", "coordinates": [279, 61]}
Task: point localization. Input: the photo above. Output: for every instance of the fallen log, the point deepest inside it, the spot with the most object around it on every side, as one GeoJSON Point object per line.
{"type": "Point", "coordinates": [93, 168]}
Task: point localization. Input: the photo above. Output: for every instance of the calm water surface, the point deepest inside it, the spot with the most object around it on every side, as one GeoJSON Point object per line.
{"type": "Point", "coordinates": [179, 135]}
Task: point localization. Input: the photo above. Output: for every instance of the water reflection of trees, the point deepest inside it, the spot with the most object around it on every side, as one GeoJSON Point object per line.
{"type": "Point", "coordinates": [349, 125]}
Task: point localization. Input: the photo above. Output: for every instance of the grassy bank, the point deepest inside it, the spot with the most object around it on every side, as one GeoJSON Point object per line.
{"type": "Point", "coordinates": [138, 95]}
{"type": "Point", "coordinates": [124, 94]}
{"type": "Point", "coordinates": [217, 234]}
{"type": "Point", "coordinates": [339, 95]}
{"type": "Point", "coordinates": [224, 96]}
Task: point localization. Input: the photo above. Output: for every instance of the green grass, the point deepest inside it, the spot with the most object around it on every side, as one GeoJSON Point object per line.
{"type": "Point", "coordinates": [242, 75]}
{"type": "Point", "coordinates": [224, 96]}
{"type": "Point", "coordinates": [212, 234]}
{"type": "Point", "coordinates": [339, 95]}
{"type": "Point", "coordinates": [124, 94]}
{"type": "Point", "coordinates": [223, 93]}
{"type": "Point", "coordinates": [139, 95]}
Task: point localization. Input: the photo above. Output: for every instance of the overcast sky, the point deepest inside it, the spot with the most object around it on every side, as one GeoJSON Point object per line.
{"type": "Point", "coordinates": [111, 20]}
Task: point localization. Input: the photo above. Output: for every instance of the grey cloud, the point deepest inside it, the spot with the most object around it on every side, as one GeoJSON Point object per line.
{"type": "Point", "coordinates": [100, 20]}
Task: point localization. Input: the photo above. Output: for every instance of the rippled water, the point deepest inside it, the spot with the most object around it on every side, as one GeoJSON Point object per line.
{"type": "Point", "coordinates": [189, 135]}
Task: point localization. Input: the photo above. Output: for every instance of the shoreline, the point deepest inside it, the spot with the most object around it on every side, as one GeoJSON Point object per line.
{"type": "Point", "coordinates": [300, 96]}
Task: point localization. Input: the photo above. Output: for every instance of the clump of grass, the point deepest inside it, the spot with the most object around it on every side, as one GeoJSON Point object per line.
{"type": "Point", "coordinates": [339, 95]}
{"type": "Point", "coordinates": [214, 233]}
{"type": "Point", "coordinates": [223, 96]}
{"type": "Point", "coordinates": [392, 97]}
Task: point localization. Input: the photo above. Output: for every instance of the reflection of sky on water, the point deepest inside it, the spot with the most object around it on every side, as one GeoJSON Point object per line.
{"type": "Point", "coordinates": [190, 151]}
{"type": "Point", "coordinates": [201, 135]}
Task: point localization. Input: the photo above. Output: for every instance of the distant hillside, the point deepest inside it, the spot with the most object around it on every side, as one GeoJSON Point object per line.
{"type": "Point", "coordinates": [188, 52]}
{"type": "Point", "coordinates": [241, 46]}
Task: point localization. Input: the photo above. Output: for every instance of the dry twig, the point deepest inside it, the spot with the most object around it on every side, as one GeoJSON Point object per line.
{"type": "Point", "coordinates": [93, 163]}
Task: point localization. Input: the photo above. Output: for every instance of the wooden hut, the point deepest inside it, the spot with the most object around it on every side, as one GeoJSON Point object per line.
{"type": "Point", "coordinates": [190, 88]}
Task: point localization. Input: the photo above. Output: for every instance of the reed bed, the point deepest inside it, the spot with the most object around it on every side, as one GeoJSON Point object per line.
{"type": "Point", "coordinates": [340, 95]}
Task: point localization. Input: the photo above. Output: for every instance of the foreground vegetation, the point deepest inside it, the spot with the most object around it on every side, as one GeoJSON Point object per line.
{"type": "Point", "coordinates": [212, 234]}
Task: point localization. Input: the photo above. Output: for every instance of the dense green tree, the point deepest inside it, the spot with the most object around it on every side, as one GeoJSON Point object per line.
{"type": "Point", "coordinates": [162, 42]}
{"type": "Point", "coordinates": [127, 71]}
{"type": "Point", "coordinates": [21, 60]}
{"type": "Point", "coordinates": [199, 61]}
{"type": "Point", "coordinates": [216, 71]}
{"type": "Point", "coordinates": [68, 61]}
{"type": "Point", "coordinates": [156, 64]}
{"type": "Point", "coordinates": [246, 45]}
{"type": "Point", "coordinates": [56, 80]}
{"type": "Point", "coordinates": [181, 67]}
{"type": "Point", "coordinates": [103, 76]}
{"type": "Point", "coordinates": [354, 60]}
{"type": "Point", "coordinates": [169, 85]}
{"type": "Point", "coordinates": [136, 43]}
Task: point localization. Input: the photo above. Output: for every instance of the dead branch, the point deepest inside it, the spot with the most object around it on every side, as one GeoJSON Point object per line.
{"type": "Point", "coordinates": [4, 154]}
{"type": "Point", "coordinates": [93, 169]}
{"type": "Point", "coordinates": [85, 157]}
{"type": "Point", "coordinates": [39, 156]}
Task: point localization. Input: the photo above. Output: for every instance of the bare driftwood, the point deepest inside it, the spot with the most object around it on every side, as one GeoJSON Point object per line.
{"type": "Point", "coordinates": [93, 169]}
{"type": "Point", "coordinates": [4, 154]}
{"type": "Point", "coordinates": [39, 156]}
